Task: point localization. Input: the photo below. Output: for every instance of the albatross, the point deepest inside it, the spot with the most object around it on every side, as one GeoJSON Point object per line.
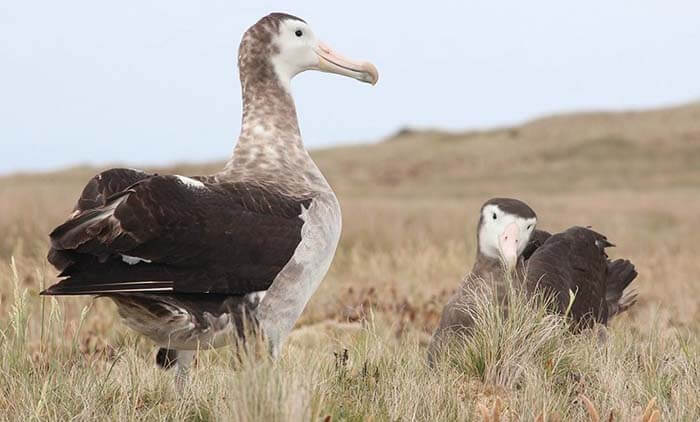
{"type": "Point", "coordinates": [190, 261]}
{"type": "Point", "coordinates": [573, 262]}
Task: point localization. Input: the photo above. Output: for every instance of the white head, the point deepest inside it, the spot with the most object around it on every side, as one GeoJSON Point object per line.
{"type": "Point", "coordinates": [505, 227]}
{"type": "Point", "coordinates": [291, 46]}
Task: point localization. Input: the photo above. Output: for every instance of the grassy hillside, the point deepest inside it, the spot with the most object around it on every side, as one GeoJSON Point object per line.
{"type": "Point", "coordinates": [410, 207]}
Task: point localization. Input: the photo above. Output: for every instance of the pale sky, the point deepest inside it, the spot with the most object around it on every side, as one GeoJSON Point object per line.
{"type": "Point", "coordinates": [155, 82]}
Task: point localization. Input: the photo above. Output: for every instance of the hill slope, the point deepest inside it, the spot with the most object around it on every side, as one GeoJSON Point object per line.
{"type": "Point", "coordinates": [640, 149]}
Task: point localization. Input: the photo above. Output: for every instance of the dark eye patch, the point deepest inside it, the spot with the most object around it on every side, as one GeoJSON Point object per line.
{"type": "Point", "coordinates": [298, 33]}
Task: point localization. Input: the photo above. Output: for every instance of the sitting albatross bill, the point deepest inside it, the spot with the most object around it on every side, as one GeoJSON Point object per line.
{"type": "Point", "coordinates": [559, 265]}
{"type": "Point", "coordinates": [190, 260]}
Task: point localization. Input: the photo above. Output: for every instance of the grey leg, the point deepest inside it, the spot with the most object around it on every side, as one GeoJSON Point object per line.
{"type": "Point", "coordinates": [184, 361]}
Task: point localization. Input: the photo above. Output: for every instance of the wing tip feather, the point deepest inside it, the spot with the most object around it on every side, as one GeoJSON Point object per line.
{"type": "Point", "coordinates": [66, 288]}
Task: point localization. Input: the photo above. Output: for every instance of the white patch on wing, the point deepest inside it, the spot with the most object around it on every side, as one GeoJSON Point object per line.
{"type": "Point", "coordinates": [256, 297]}
{"type": "Point", "coordinates": [190, 182]}
{"type": "Point", "coordinates": [133, 260]}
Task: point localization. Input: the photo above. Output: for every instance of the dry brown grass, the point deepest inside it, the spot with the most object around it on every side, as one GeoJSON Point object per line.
{"type": "Point", "coordinates": [410, 207]}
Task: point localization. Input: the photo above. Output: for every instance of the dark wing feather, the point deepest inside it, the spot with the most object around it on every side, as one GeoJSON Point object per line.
{"type": "Point", "coordinates": [95, 195]}
{"type": "Point", "coordinates": [537, 239]}
{"type": "Point", "coordinates": [104, 185]}
{"type": "Point", "coordinates": [230, 238]}
{"type": "Point", "coordinates": [575, 261]}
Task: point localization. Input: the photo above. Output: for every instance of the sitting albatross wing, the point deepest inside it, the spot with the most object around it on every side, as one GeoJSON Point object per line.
{"type": "Point", "coordinates": [575, 262]}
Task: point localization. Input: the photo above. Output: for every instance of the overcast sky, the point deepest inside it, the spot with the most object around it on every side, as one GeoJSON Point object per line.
{"type": "Point", "coordinates": [154, 82]}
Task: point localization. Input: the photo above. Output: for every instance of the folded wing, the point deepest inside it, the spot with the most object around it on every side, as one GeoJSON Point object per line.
{"type": "Point", "coordinates": [138, 232]}
{"type": "Point", "coordinates": [575, 262]}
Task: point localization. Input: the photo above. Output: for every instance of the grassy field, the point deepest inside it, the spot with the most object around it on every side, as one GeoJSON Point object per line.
{"type": "Point", "coordinates": [410, 206]}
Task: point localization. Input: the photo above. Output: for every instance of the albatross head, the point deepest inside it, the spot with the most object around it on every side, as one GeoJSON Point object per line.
{"type": "Point", "coordinates": [505, 227]}
{"type": "Point", "coordinates": [288, 44]}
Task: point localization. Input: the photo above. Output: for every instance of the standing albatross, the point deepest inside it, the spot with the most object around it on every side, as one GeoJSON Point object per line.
{"type": "Point", "coordinates": [571, 262]}
{"type": "Point", "coordinates": [190, 260]}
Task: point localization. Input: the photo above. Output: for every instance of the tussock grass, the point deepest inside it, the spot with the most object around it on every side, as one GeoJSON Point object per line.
{"type": "Point", "coordinates": [539, 367]}
{"type": "Point", "coordinates": [512, 336]}
{"type": "Point", "coordinates": [521, 364]}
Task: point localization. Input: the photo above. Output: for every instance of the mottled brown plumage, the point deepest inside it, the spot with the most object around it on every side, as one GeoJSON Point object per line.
{"type": "Point", "coordinates": [270, 148]}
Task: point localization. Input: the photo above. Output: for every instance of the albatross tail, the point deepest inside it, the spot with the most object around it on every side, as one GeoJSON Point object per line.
{"type": "Point", "coordinates": [619, 298]}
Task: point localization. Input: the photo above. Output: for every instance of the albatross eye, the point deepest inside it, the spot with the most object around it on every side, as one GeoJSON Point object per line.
{"type": "Point", "coordinates": [494, 216]}
{"type": "Point", "coordinates": [298, 33]}
{"type": "Point", "coordinates": [529, 226]}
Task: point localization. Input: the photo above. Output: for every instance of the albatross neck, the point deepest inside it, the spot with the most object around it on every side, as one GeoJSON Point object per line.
{"type": "Point", "coordinates": [486, 267]}
{"type": "Point", "coordinates": [492, 269]}
{"type": "Point", "coordinates": [270, 148]}
{"type": "Point", "coordinates": [269, 115]}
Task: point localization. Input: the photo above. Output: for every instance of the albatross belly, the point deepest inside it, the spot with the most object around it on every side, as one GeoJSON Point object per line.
{"type": "Point", "coordinates": [287, 296]}
{"type": "Point", "coordinates": [188, 322]}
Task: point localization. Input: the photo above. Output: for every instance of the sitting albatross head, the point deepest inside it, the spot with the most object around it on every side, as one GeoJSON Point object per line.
{"type": "Point", "coordinates": [505, 227]}
{"type": "Point", "coordinates": [286, 45]}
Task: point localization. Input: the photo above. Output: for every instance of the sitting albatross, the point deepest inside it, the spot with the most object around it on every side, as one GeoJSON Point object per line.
{"type": "Point", "coordinates": [573, 261]}
{"type": "Point", "coordinates": [190, 260]}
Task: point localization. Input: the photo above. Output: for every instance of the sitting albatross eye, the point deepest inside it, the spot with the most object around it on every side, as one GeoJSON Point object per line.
{"type": "Point", "coordinates": [298, 33]}
{"type": "Point", "coordinates": [494, 216]}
